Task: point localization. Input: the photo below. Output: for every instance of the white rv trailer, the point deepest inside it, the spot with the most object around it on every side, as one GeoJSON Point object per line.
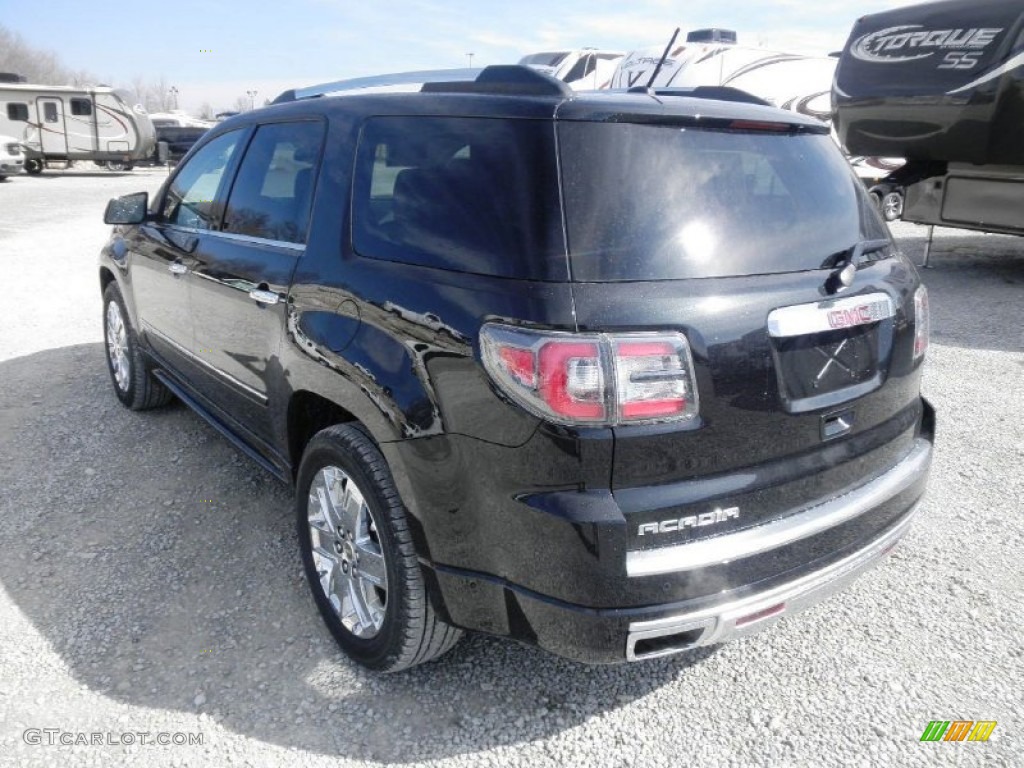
{"type": "Point", "coordinates": [712, 57]}
{"type": "Point", "coordinates": [55, 122]}
{"type": "Point", "coordinates": [584, 69]}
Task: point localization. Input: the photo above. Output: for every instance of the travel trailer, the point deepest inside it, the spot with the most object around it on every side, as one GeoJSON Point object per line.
{"type": "Point", "coordinates": [713, 57]}
{"type": "Point", "coordinates": [584, 69]}
{"type": "Point", "coordinates": [941, 84]}
{"type": "Point", "coordinates": [64, 123]}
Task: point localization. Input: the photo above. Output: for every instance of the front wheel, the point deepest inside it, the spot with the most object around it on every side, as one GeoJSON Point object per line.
{"type": "Point", "coordinates": [359, 558]}
{"type": "Point", "coordinates": [117, 165]}
{"type": "Point", "coordinates": [134, 385]}
{"type": "Point", "coordinates": [33, 167]}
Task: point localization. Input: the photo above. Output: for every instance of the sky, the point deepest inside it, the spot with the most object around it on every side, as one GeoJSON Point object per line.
{"type": "Point", "coordinates": [216, 50]}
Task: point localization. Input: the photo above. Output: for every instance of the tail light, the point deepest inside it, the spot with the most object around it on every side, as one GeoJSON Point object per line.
{"type": "Point", "coordinates": [922, 322]}
{"type": "Point", "coordinates": [597, 379]}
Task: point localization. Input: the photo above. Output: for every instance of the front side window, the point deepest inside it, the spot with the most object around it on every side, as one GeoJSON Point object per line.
{"type": "Point", "coordinates": [190, 200]}
{"type": "Point", "coordinates": [17, 112]}
{"type": "Point", "coordinates": [475, 195]}
{"type": "Point", "coordinates": [273, 191]}
{"type": "Point", "coordinates": [49, 112]}
{"type": "Point", "coordinates": [81, 107]}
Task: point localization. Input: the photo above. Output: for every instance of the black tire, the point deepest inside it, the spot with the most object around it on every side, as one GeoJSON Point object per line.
{"type": "Point", "coordinates": [33, 167]}
{"type": "Point", "coordinates": [412, 632]}
{"type": "Point", "coordinates": [117, 165]}
{"type": "Point", "coordinates": [141, 391]}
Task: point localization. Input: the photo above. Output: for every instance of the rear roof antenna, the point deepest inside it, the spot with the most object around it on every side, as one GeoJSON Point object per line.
{"type": "Point", "coordinates": [661, 61]}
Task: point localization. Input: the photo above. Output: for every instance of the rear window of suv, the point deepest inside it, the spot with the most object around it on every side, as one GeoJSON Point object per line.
{"type": "Point", "coordinates": [656, 202]}
{"type": "Point", "coordinates": [476, 195]}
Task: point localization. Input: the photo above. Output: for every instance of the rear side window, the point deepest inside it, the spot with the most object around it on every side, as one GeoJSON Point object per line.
{"type": "Point", "coordinates": [191, 199]}
{"type": "Point", "coordinates": [17, 112]}
{"type": "Point", "coordinates": [647, 202]}
{"type": "Point", "coordinates": [81, 107]}
{"type": "Point", "coordinates": [475, 195]}
{"type": "Point", "coordinates": [273, 191]}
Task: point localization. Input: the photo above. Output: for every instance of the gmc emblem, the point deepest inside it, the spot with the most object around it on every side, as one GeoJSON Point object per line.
{"type": "Point", "coordinates": [862, 315]}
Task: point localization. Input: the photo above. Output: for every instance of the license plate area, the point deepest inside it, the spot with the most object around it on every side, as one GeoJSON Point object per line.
{"type": "Point", "coordinates": [831, 352]}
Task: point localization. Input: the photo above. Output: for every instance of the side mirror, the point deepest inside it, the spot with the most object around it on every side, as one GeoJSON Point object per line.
{"type": "Point", "coordinates": [130, 209]}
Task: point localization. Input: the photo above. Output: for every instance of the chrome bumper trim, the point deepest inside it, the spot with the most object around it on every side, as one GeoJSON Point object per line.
{"type": "Point", "coordinates": [752, 614]}
{"type": "Point", "coordinates": [778, 533]}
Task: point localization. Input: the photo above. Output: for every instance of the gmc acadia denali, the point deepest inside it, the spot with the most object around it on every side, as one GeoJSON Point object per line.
{"type": "Point", "coordinates": [617, 374]}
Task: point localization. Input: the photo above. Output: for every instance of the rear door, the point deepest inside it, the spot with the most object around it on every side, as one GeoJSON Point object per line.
{"type": "Point", "coordinates": [241, 279]}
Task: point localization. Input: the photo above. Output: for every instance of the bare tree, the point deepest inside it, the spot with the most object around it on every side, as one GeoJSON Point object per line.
{"type": "Point", "coordinates": [206, 111]}
{"type": "Point", "coordinates": [242, 104]}
{"type": "Point", "coordinates": [141, 89]}
{"type": "Point", "coordinates": [160, 95]}
{"type": "Point", "coordinates": [36, 64]}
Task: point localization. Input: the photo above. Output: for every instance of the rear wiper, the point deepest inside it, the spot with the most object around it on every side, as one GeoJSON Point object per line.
{"type": "Point", "coordinates": [844, 263]}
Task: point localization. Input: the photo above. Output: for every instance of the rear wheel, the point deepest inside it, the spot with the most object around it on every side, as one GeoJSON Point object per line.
{"type": "Point", "coordinates": [359, 558]}
{"type": "Point", "coordinates": [134, 385]}
{"type": "Point", "coordinates": [117, 165]}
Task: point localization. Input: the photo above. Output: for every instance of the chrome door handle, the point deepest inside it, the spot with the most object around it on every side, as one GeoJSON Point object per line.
{"type": "Point", "coordinates": [177, 268]}
{"type": "Point", "coordinates": [264, 297]}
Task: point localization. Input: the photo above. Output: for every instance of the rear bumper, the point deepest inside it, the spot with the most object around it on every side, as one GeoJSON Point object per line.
{"type": "Point", "coordinates": [731, 585]}
{"type": "Point", "coordinates": [787, 530]}
{"type": "Point", "coordinates": [729, 620]}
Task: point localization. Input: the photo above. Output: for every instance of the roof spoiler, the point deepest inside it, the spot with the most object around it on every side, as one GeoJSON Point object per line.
{"type": "Point", "coordinates": [496, 79]}
{"type": "Point", "coordinates": [714, 92]}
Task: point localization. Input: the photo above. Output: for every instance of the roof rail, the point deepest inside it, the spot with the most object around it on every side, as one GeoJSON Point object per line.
{"type": "Point", "coordinates": [508, 79]}
{"type": "Point", "coordinates": [714, 92]}
{"type": "Point", "coordinates": [389, 82]}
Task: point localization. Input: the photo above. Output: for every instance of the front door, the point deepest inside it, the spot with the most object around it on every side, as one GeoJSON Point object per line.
{"type": "Point", "coordinates": [53, 134]}
{"type": "Point", "coordinates": [167, 249]}
{"type": "Point", "coordinates": [241, 280]}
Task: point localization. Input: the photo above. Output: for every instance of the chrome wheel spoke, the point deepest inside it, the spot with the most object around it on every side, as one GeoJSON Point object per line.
{"type": "Point", "coordinates": [371, 566]}
{"type": "Point", "coordinates": [359, 608]}
{"type": "Point", "coordinates": [353, 504]}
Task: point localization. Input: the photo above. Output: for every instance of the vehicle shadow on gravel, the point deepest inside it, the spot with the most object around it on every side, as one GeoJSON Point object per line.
{"type": "Point", "coordinates": [975, 285]}
{"type": "Point", "coordinates": [163, 568]}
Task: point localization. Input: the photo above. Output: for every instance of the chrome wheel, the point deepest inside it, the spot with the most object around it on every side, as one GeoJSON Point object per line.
{"type": "Point", "coordinates": [346, 551]}
{"type": "Point", "coordinates": [892, 206]}
{"type": "Point", "coordinates": [117, 346]}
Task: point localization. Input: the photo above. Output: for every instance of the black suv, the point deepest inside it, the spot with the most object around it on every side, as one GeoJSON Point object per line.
{"type": "Point", "coordinates": [617, 374]}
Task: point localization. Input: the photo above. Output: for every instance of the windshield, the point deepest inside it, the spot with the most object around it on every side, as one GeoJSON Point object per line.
{"type": "Point", "coordinates": [656, 202]}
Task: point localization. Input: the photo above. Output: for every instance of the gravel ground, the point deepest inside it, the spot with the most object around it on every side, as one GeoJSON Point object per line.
{"type": "Point", "coordinates": [150, 580]}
